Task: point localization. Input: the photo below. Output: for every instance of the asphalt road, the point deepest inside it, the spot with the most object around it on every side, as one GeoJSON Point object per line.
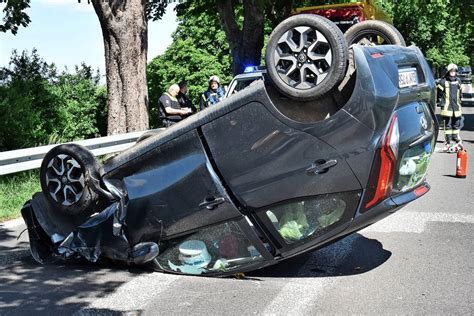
{"type": "Point", "coordinates": [417, 261]}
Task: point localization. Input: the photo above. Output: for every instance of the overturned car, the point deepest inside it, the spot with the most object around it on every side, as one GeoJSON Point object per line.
{"type": "Point", "coordinates": [336, 139]}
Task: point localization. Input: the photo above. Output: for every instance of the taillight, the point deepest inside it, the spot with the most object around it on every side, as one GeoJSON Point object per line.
{"type": "Point", "coordinates": [388, 160]}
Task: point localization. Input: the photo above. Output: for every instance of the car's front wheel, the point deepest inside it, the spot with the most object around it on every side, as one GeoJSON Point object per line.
{"type": "Point", "coordinates": [374, 32]}
{"type": "Point", "coordinates": [66, 176]}
{"type": "Point", "coordinates": [306, 56]}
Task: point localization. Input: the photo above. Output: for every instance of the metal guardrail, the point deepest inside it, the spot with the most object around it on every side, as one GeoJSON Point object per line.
{"type": "Point", "coordinates": [30, 158]}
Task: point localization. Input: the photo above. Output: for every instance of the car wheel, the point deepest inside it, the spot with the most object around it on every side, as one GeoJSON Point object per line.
{"type": "Point", "coordinates": [306, 56]}
{"type": "Point", "coordinates": [374, 32]}
{"type": "Point", "coordinates": [66, 179]}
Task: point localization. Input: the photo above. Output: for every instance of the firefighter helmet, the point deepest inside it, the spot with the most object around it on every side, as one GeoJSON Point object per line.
{"type": "Point", "coordinates": [452, 67]}
{"type": "Point", "coordinates": [214, 78]}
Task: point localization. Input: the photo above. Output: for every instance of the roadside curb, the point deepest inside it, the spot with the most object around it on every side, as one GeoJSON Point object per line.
{"type": "Point", "coordinates": [12, 223]}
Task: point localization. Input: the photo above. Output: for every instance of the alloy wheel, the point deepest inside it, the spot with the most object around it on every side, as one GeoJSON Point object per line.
{"type": "Point", "coordinates": [65, 180]}
{"type": "Point", "coordinates": [303, 57]}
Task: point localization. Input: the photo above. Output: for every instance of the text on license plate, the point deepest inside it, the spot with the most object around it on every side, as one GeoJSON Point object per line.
{"type": "Point", "coordinates": [407, 77]}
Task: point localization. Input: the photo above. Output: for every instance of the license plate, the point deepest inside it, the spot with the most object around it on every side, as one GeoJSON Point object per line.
{"type": "Point", "coordinates": [407, 77]}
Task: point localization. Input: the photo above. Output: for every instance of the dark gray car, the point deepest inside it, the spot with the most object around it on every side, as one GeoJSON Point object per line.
{"type": "Point", "coordinates": [285, 166]}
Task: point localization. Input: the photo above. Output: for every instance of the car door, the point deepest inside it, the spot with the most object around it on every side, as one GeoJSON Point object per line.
{"type": "Point", "coordinates": [287, 180]}
{"type": "Point", "coordinates": [172, 190]}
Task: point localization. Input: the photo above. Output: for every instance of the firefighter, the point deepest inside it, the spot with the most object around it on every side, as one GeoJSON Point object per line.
{"type": "Point", "coordinates": [213, 95]}
{"type": "Point", "coordinates": [451, 111]}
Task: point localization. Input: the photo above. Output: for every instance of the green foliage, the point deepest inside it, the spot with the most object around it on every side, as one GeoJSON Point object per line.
{"type": "Point", "coordinates": [155, 9]}
{"type": "Point", "coordinates": [15, 16]}
{"type": "Point", "coordinates": [79, 103]}
{"type": "Point", "coordinates": [199, 50]}
{"type": "Point", "coordinates": [24, 97]}
{"type": "Point", "coordinates": [15, 190]}
{"type": "Point", "coordinates": [39, 106]}
{"type": "Point", "coordinates": [386, 5]}
{"type": "Point", "coordinates": [443, 29]}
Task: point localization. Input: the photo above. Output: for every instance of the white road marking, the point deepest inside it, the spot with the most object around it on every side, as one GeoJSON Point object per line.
{"type": "Point", "coordinates": [134, 295]}
{"type": "Point", "coordinates": [415, 222]}
{"type": "Point", "coordinates": [299, 294]}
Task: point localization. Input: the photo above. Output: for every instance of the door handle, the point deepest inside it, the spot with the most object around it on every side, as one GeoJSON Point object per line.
{"type": "Point", "coordinates": [321, 166]}
{"type": "Point", "coordinates": [211, 203]}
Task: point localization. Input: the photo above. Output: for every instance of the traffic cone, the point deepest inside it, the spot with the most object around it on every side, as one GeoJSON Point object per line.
{"type": "Point", "coordinates": [461, 163]}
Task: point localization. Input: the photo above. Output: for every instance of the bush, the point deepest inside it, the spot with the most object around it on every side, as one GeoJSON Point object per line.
{"type": "Point", "coordinates": [38, 106]}
{"type": "Point", "coordinates": [80, 104]}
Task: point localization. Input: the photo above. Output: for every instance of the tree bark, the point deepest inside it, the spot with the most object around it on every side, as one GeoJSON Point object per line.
{"type": "Point", "coordinates": [124, 29]}
{"type": "Point", "coordinates": [245, 44]}
{"type": "Point", "coordinates": [277, 11]}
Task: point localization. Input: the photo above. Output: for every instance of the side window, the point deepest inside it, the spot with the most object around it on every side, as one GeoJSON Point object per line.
{"type": "Point", "coordinates": [241, 83]}
{"type": "Point", "coordinates": [214, 249]}
{"type": "Point", "coordinates": [312, 217]}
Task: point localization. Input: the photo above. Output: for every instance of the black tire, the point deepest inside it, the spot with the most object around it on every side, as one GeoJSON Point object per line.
{"type": "Point", "coordinates": [310, 61]}
{"type": "Point", "coordinates": [66, 179]}
{"type": "Point", "coordinates": [374, 32]}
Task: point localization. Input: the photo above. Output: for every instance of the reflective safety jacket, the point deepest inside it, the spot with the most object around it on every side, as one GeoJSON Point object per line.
{"type": "Point", "coordinates": [210, 97]}
{"type": "Point", "coordinates": [451, 97]}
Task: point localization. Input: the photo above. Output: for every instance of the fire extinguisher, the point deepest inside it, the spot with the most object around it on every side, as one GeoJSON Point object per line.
{"type": "Point", "coordinates": [461, 163]}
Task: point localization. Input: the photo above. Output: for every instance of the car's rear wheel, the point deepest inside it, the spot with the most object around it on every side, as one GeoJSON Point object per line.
{"type": "Point", "coordinates": [66, 176]}
{"type": "Point", "coordinates": [306, 56]}
{"type": "Point", "coordinates": [374, 32]}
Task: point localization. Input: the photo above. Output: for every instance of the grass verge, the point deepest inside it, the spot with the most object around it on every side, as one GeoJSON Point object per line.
{"type": "Point", "coordinates": [15, 190]}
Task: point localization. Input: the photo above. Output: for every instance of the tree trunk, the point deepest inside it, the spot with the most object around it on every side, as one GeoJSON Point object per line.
{"type": "Point", "coordinates": [245, 44]}
{"type": "Point", "coordinates": [277, 11]}
{"type": "Point", "coordinates": [124, 29]}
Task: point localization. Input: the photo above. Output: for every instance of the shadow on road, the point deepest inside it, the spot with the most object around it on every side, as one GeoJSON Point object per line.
{"type": "Point", "coordinates": [453, 176]}
{"type": "Point", "coordinates": [27, 287]}
{"type": "Point", "coordinates": [10, 253]}
{"type": "Point", "coordinates": [352, 255]}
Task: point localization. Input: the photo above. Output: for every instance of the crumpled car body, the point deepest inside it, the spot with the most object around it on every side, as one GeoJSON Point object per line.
{"type": "Point", "coordinates": [259, 178]}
